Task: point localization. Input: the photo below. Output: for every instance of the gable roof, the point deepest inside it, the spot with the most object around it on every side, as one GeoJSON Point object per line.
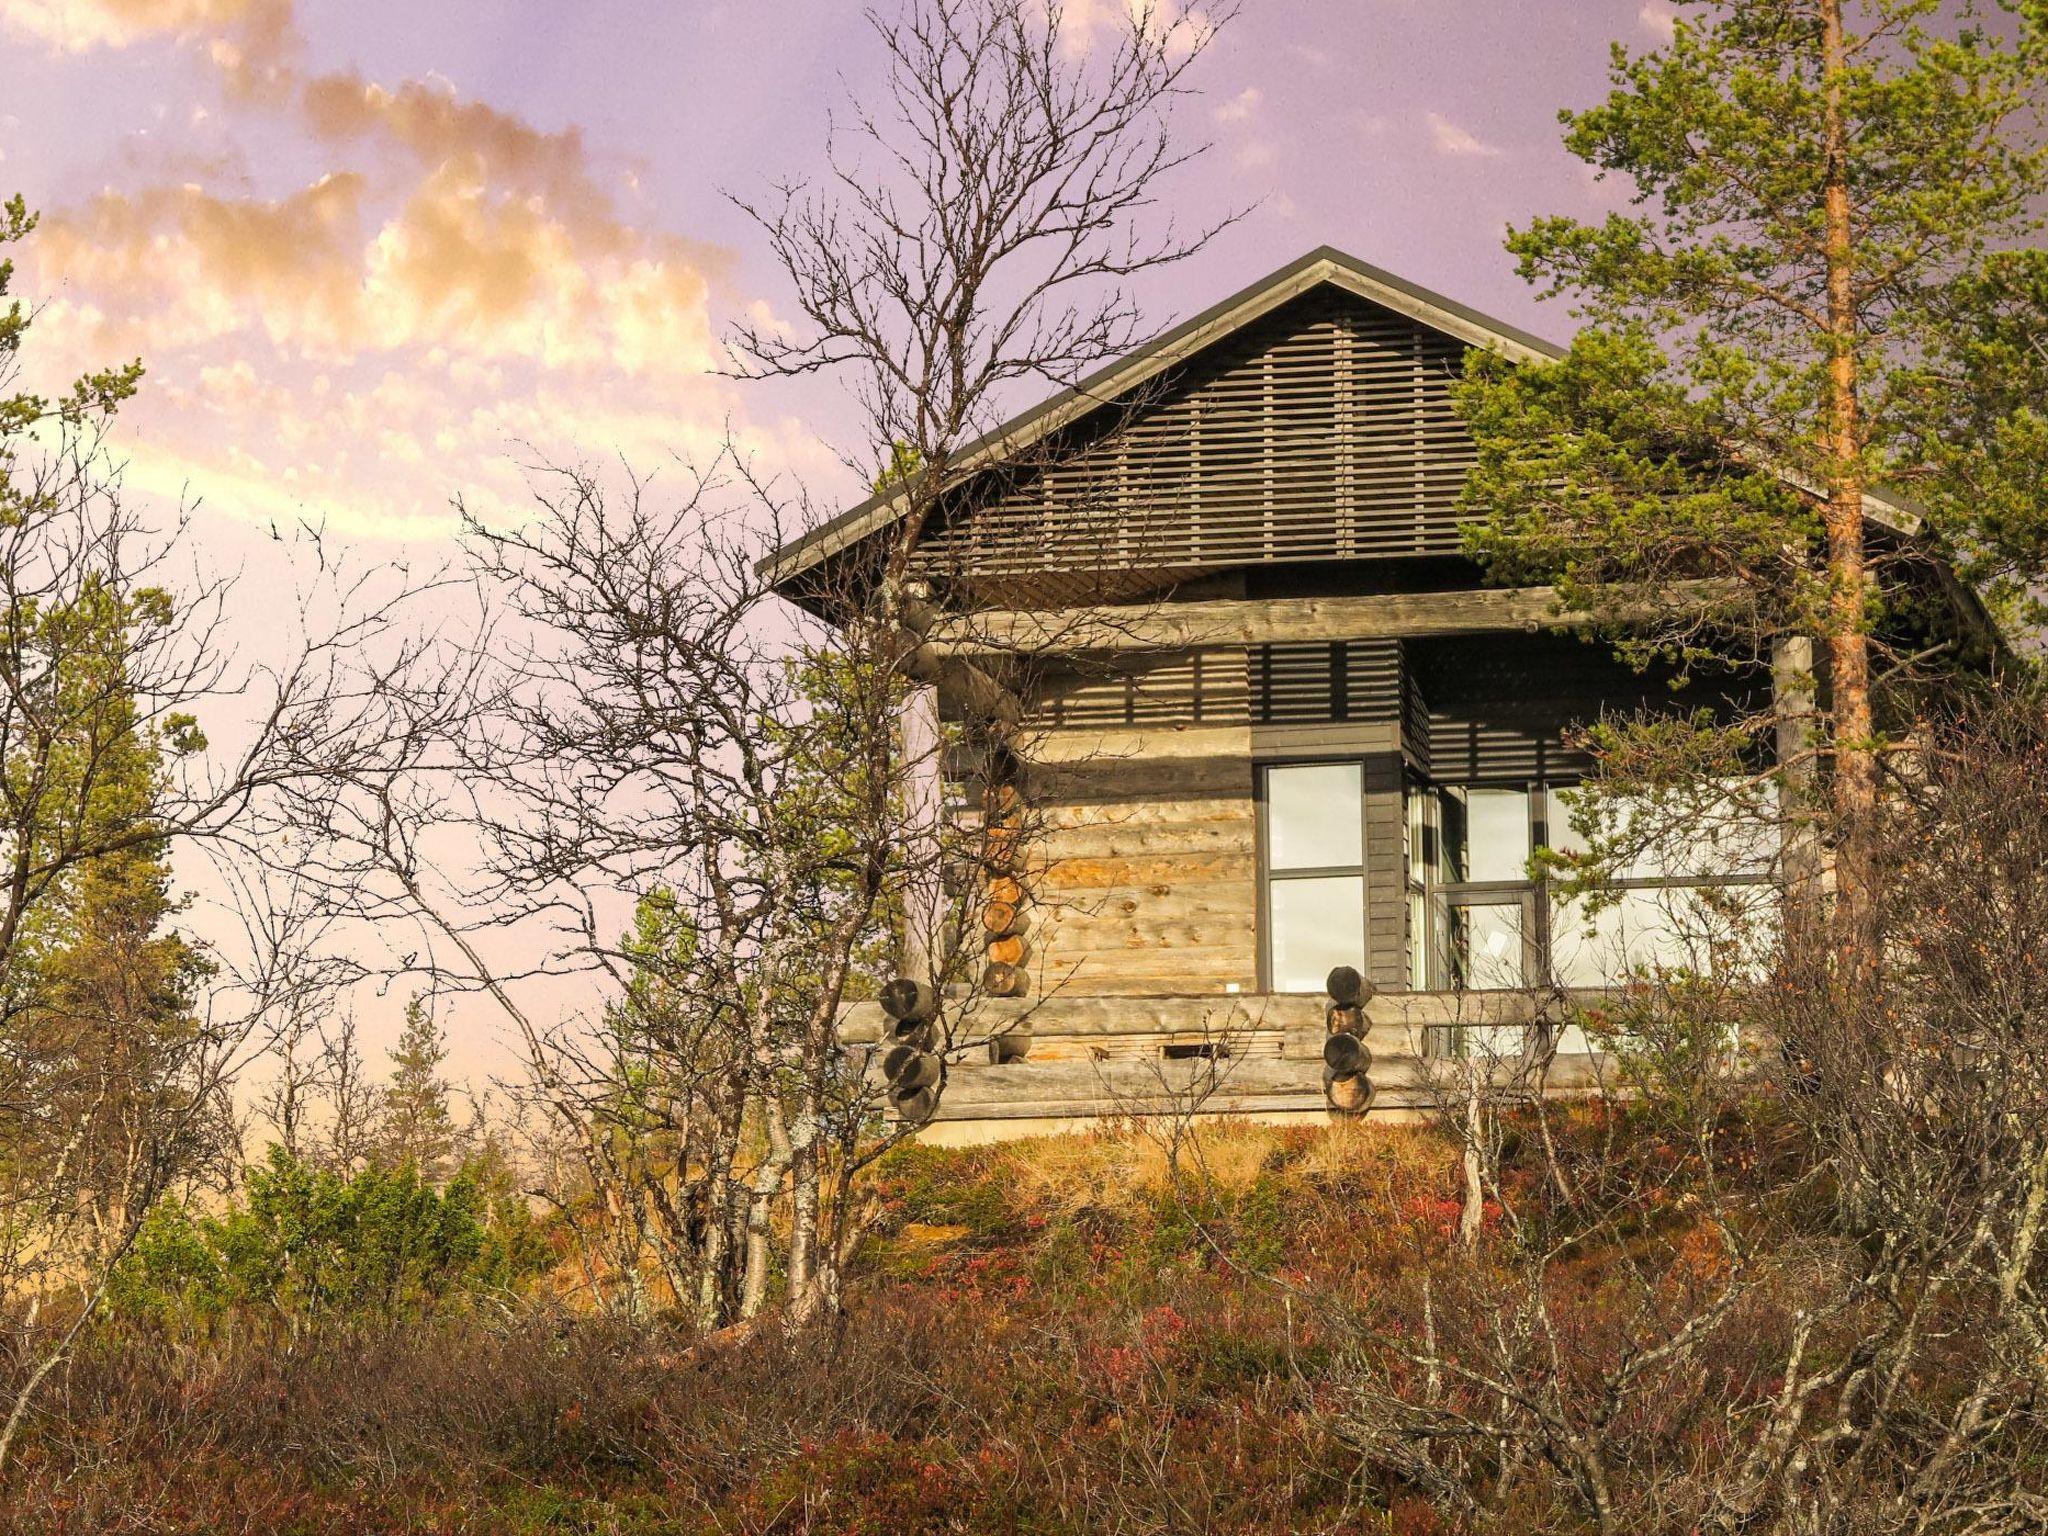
{"type": "Point", "coordinates": [1323, 265]}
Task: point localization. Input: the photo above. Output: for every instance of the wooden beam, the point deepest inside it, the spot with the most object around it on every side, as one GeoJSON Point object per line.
{"type": "Point", "coordinates": [978, 694]}
{"type": "Point", "coordinates": [1248, 621]}
{"type": "Point", "coordinates": [1190, 1015]}
{"type": "Point", "coordinates": [1270, 621]}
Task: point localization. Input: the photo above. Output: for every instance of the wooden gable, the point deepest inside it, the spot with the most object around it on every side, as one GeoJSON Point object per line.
{"type": "Point", "coordinates": [1323, 430]}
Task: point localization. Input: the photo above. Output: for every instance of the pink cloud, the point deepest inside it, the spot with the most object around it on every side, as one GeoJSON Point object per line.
{"type": "Point", "coordinates": [1450, 139]}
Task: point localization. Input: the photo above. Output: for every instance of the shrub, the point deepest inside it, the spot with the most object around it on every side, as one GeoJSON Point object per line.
{"type": "Point", "coordinates": [305, 1242]}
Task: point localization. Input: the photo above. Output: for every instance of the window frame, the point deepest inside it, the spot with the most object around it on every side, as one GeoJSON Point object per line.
{"type": "Point", "coordinates": [1430, 895]}
{"type": "Point", "coordinates": [1267, 875]}
{"type": "Point", "coordinates": [1530, 894]}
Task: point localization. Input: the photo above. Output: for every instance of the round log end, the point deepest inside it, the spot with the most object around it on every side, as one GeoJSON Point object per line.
{"type": "Point", "coordinates": [915, 1108]}
{"type": "Point", "coordinates": [908, 1000]}
{"type": "Point", "coordinates": [1347, 987]}
{"type": "Point", "coordinates": [1345, 1056]}
{"type": "Point", "coordinates": [1343, 1019]}
{"type": "Point", "coordinates": [908, 1070]}
{"type": "Point", "coordinates": [1348, 1095]}
{"type": "Point", "coordinates": [1001, 980]}
{"type": "Point", "coordinates": [1012, 1044]}
{"type": "Point", "coordinates": [1014, 949]}
{"type": "Point", "coordinates": [911, 1032]}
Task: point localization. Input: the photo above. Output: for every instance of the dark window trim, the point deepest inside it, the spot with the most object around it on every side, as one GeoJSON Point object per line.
{"type": "Point", "coordinates": [1266, 875]}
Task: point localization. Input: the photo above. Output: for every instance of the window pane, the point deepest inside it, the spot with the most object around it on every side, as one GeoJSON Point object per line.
{"type": "Point", "coordinates": [1497, 834]}
{"type": "Point", "coordinates": [1586, 950]}
{"type": "Point", "coordinates": [1450, 861]}
{"type": "Point", "coordinates": [1726, 931]}
{"type": "Point", "coordinates": [1558, 827]}
{"type": "Point", "coordinates": [1422, 947]}
{"type": "Point", "coordinates": [1725, 829]}
{"type": "Point", "coordinates": [1742, 835]}
{"type": "Point", "coordinates": [1486, 946]}
{"type": "Point", "coordinates": [1317, 925]}
{"type": "Point", "coordinates": [1315, 817]}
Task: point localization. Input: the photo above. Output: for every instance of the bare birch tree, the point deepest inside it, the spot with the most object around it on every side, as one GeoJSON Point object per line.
{"type": "Point", "coordinates": [714, 809]}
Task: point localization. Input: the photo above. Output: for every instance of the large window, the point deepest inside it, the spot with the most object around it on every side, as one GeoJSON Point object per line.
{"type": "Point", "coordinates": [1478, 916]}
{"type": "Point", "coordinates": [1314, 888]}
{"type": "Point", "coordinates": [1473, 918]}
{"type": "Point", "coordinates": [1698, 895]}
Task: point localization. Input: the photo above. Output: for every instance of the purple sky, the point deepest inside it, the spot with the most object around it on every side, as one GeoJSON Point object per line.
{"type": "Point", "coordinates": [368, 248]}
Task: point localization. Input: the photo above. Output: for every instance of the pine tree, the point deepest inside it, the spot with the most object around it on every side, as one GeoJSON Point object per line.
{"type": "Point", "coordinates": [1821, 190]}
{"type": "Point", "coordinates": [110, 1005]}
{"type": "Point", "coordinates": [416, 1128]}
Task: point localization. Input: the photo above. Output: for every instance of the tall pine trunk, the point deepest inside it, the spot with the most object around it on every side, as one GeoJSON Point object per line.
{"type": "Point", "coordinates": [1855, 757]}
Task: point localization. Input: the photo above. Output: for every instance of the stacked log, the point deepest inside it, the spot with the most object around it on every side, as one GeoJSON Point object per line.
{"type": "Point", "coordinates": [1347, 1061]}
{"type": "Point", "coordinates": [1010, 1042]}
{"type": "Point", "coordinates": [1005, 922]}
{"type": "Point", "coordinates": [911, 1067]}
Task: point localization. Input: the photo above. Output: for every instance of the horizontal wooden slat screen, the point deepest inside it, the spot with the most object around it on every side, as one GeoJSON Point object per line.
{"type": "Point", "coordinates": [1503, 713]}
{"type": "Point", "coordinates": [1170, 689]}
{"type": "Point", "coordinates": [1324, 431]}
{"type": "Point", "coordinates": [1347, 682]}
{"type": "Point", "coordinates": [1351, 682]}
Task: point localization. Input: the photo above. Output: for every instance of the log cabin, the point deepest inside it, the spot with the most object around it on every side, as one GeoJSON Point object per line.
{"type": "Point", "coordinates": [1280, 740]}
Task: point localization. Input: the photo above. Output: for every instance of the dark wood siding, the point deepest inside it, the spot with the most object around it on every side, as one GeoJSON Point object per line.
{"type": "Point", "coordinates": [1323, 431]}
{"type": "Point", "coordinates": [1348, 682]}
{"type": "Point", "coordinates": [1501, 708]}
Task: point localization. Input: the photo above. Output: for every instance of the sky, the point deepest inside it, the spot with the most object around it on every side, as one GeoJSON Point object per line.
{"type": "Point", "coordinates": [379, 254]}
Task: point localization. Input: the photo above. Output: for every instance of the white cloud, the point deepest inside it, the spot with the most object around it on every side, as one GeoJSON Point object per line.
{"type": "Point", "coordinates": [1239, 108]}
{"type": "Point", "coordinates": [1256, 156]}
{"type": "Point", "coordinates": [75, 26]}
{"type": "Point", "coordinates": [1659, 19]}
{"type": "Point", "coordinates": [458, 283]}
{"type": "Point", "coordinates": [1450, 139]}
{"type": "Point", "coordinates": [1083, 23]}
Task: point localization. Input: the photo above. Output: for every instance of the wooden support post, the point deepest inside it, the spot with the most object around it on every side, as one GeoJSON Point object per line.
{"type": "Point", "coordinates": [1792, 698]}
{"type": "Point", "coordinates": [924, 894]}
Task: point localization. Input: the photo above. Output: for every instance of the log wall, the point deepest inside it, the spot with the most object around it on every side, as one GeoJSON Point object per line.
{"type": "Point", "coordinates": [1098, 1057]}
{"type": "Point", "coordinates": [1144, 864]}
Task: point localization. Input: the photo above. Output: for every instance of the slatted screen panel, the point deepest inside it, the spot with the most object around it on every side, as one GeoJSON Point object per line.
{"type": "Point", "coordinates": [1501, 711]}
{"type": "Point", "coordinates": [1177, 688]}
{"type": "Point", "coordinates": [1323, 431]}
{"type": "Point", "coordinates": [1349, 682]}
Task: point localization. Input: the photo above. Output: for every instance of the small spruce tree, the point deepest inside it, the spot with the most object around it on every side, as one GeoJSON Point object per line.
{"type": "Point", "coordinates": [416, 1127]}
